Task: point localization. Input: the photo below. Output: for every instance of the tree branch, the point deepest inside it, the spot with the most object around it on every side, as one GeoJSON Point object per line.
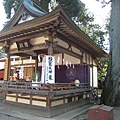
{"type": "Point", "coordinates": [104, 2]}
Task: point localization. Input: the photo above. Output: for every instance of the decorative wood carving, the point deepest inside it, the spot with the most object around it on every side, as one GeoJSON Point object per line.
{"type": "Point", "coordinates": [24, 15]}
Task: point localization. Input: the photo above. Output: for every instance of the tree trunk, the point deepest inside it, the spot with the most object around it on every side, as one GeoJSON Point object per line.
{"type": "Point", "coordinates": [113, 76]}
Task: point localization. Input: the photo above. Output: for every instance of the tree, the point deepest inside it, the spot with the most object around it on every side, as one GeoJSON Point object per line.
{"type": "Point", "coordinates": [98, 35]}
{"type": "Point", "coordinates": [9, 5]}
{"type": "Point", "coordinates": [111, 93]}
{"type": "Point", "coordinates": [72, 7]}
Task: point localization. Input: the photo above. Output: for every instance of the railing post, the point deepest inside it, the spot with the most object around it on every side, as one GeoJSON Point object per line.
{"type": "Point", "coordinates": [16, 97]}
{"type": "Point", "coordinates": [30, 99]}
{"type": "Point", "coordinates": [48, 102]}
{"type": "Point", "coordinates": [4, 96]}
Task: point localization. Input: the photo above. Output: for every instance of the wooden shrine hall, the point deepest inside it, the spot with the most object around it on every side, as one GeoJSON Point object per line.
{"type": "Point", "coordinates": [34, 34]}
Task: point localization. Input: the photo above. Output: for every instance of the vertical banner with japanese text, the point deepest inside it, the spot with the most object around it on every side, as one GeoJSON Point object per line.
{"type": "Point", "coordinates": [49, 69]}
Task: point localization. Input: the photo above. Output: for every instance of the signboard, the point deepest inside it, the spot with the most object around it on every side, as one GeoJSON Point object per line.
{"type": "Point", "coordinates": [6, 69]}
{"type": "Point", "coordinates": [48, 69]}
{"type": "Point", "coordinates": [24, 45]}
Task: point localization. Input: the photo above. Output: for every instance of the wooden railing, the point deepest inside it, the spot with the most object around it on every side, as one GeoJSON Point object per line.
{"type": "Point", "coordinates": [38, 88]}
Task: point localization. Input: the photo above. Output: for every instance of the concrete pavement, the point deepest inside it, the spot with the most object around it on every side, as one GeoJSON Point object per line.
{"type": "Point", "coordinates": [9, 111]}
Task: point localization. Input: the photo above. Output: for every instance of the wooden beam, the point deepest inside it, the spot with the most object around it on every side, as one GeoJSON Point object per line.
{"type": "Point", "coordinates": [23, 64]}
{"type": "Point", "coordinates": [41, 46]}
{"type": "Point", "coordinates": [67, 51]}
{"type": "Point", "coordinates": [56, 24]}
{"type": "Point", "coordinates": [27, 33]}
{"type": "Point", "coordinates": [67, 40]}
{"type": "Point", "coordinates": [27, 36]}
{"type": "Point", "coordinates": [74, 40]}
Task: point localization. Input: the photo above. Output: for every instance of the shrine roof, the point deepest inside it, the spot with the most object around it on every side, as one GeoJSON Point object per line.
{"type": "Point", "coordinates": [56, 21]}
{"type": "Point", "coordinates": [30, 7]}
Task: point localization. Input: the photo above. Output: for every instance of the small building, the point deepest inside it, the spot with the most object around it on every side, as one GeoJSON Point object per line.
{"type": "Point", "coordinates": [32, 34]}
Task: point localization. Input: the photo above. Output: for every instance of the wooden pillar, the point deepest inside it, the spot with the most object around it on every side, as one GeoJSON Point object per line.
{"type": "Point", "coordinates": [50, 48]}
{"type": "Point", "coordinates": [36, 63]}
{"type": "Point", "coordinates": [9, 66]}
{"type": "Point", "coordinates": [62, 58]}
{"type": "Point", "coordinates": [89, 59]}
{"type": "Point", "coordinates": [51, 43]}
{"type": "Point", "coordinates": [86, 58]}
{"type": "Point", "coordinates": [81, 60]}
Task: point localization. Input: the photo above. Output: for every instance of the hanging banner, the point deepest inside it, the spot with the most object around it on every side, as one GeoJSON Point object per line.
{"type": "Point", "coordinates": [6, 69]}
{"type": "Point", "coordinates": [49, 69]}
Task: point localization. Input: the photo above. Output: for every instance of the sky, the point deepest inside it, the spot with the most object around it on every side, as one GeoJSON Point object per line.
{"type": "Point", "coordinates": [100, 13]}
{"type": "Point", "coordinates": [3, 15]}
{"type": "Point", "coordinates": [93, 6]}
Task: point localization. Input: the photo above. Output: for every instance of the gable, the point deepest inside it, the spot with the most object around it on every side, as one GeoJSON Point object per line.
{"type": "Point", "coordinates": [26, 11]}
{"type": "Point", "coordinates": [25, 17]}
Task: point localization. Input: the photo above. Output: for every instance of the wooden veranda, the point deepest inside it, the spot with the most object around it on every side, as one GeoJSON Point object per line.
{"type": "Point", "coordinates": [46, 96]}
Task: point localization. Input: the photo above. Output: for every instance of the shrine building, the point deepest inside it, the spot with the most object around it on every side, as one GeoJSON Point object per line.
{"type": "Point", "coordinates": [51, 44]}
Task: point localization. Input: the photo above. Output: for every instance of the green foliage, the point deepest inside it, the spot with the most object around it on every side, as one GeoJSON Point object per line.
{"type": "Point", "coordinates": [10, 5]}
{"type": "Point", "coordinates": [98, 35]}
{"type": "Point", "coordinates": [102, 71]}
{"type": "Point", "coordinates": [37, 73]}
{"type": "Point", "coordinates": [95, 31]}
{"type": "Point", "coordinates": [2, 52]}
{"type": "Point", "coordinates": [72, 7]}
